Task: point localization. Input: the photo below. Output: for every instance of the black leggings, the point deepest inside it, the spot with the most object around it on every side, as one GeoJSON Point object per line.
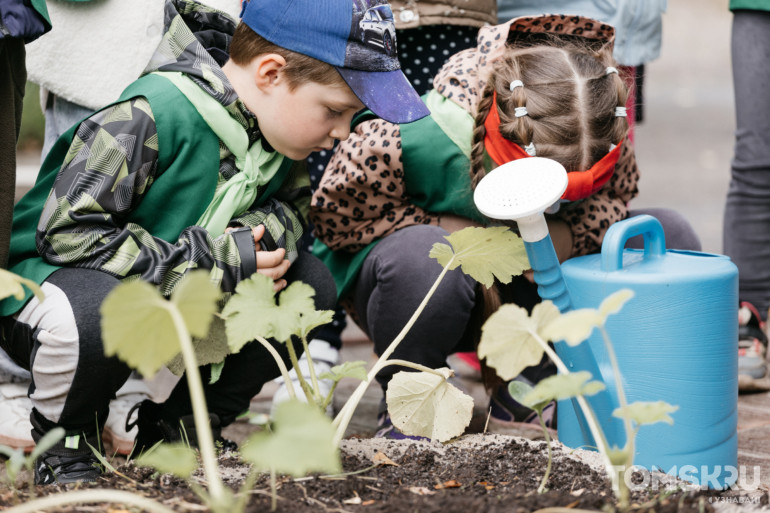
{"type": "Point", "coordinates": [73, 381]}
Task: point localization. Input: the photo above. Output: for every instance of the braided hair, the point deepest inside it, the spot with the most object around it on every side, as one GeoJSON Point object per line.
{"type": "Point", "coordinates": [570, 94]}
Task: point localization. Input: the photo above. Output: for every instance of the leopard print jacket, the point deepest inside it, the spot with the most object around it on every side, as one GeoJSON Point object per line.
{"type": "Point", "coordinates": [361, 196]}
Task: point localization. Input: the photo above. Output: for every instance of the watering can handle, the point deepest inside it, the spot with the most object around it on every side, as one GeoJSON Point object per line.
{"type": "Point", "coordinates": [616, 237]}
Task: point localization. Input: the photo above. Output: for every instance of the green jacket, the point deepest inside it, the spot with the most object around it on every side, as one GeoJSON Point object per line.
{"type": "Point", "coordinates": [436, 178]}
{"type": "Point", "coordinates": [756, 5]}
{"type": "Point", "coordinates": [188, 161]}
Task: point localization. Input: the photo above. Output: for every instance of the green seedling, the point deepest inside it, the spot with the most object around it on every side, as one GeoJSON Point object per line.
{"type": "Point", "coordinates": [511, 340]}
{"type": "Point", "coordinates": [485, 254]}
{"type": "Point", "coordinates": [147, 332]}
{"type": "Point", "coordinates": [552, 388]}
{"type": "Point", "coordinates": [18, 461]}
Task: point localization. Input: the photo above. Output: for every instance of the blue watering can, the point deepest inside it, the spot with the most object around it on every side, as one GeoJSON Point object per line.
{"type": "Point", "coordinates": [675, 340]}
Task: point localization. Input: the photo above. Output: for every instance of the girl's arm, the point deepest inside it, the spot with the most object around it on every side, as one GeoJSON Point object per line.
{"type": "Point", "coordinates": [361, 196]}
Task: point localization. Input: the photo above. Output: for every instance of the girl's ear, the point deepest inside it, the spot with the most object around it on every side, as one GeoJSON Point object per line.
{"type": "Point", "coordinates": [267, 70]}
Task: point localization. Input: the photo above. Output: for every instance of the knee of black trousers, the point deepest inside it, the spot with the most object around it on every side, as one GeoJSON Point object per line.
{"type": "Point", "coordinates": [310, 270]}
{"type": "Point", "coordinates": [97, 377]}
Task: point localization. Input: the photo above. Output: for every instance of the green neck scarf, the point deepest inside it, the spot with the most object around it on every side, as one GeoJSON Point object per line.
{"type": "Point", "coordinates": [256, 165]}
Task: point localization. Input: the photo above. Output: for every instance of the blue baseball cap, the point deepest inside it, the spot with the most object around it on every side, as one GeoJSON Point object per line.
{"type": "Point", "coordinates": [358, 37]}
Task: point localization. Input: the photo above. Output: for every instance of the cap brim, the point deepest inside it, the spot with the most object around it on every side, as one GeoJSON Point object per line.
{"type": "Point", "coordinates": [386, 93]}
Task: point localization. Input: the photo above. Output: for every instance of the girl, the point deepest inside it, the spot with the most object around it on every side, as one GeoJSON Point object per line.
{"type": "Point", "coordinates": [544, 86]}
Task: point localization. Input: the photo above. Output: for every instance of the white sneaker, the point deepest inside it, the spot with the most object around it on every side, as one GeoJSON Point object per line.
{"type": "Point", "coordinates": [324, 358]}
{"type": "Point", "coordinates": [132, 392]}
{"type": "Point", "coordinates": [15, 407]}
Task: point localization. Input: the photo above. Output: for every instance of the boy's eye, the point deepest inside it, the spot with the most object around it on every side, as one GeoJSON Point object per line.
{"type": "Point", "coordinates": [333, 113]}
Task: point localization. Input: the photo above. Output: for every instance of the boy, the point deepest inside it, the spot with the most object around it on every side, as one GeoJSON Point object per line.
{"type": "Point", "coordinates": [133, 192]}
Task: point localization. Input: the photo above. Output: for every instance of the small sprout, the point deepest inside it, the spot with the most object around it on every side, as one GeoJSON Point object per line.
{"type": "Point", "coordinates": [426, 404]}
{"type": "Point", "coordinates": [643, 413]}
{"type": "Point", "coordinates": [177, 459]}
{"type": "Point", "coordinates": [301, 442]}
{"type": "Point", "coordinates": [576, 326]}
{"type": "Point", "coordinates": [508, 338]}
{"type": "Point", "coordinates": [563, 386]}
{"type": "Point", "coordinates": [356, 370]}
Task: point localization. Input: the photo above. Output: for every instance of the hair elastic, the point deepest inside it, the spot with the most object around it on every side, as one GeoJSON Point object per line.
{"type": "Point", "coordinates": [610, 70]}
{"type": "Point", "coordinates": [620, 112]}
{"type": "Point", "coordinates": [515, 84]}
{"type": "Point", "coordinates": [530, 149]}
{"type": "Point", "coordinates": [520, 111]}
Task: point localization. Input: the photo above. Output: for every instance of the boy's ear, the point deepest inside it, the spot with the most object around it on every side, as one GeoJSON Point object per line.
{"type": "Point", "coordinates": [267, 69]}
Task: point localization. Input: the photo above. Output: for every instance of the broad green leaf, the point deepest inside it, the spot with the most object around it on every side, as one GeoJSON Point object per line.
{"type": "Point", "coordinates": [216, 372]}
{"type": "Point", "coordinates": [614, 302]}
{"type": "Point", "coordinates": [196, 297]}
{"type": "Point", "coordinates": [424, 404]}
{"type": "Point", "coordinates": [301, 442]}
{"type": "Point", "coordinates": [484, 254]}
{"type": "Point", "coordinates": [519, 390]}
{"type": "Point", "coordinates": [138, 327]}
{"type": "Point", "coordinates": [310, 320]}
{"type": "Point", "coordinates": [295, 300]}
{"type": "Point", "coordinates": [573, 327]}
{"type": "Point", "coordinates": [647, 412]}
{"type": "Point", "coordinates": [562, 386]}
{"type": "Point", "coordinates": [507, 338]}
{"type": "Point", "coordinates": [177, 459]}
{"type": "Point", "coordinates": [248, 313]}
{"type": "Point", "coordinates": [211, 349]}
{"type": "Point", "coordinates": [356, 370]}
{"type": "Point", "coordinates": [13, 285]}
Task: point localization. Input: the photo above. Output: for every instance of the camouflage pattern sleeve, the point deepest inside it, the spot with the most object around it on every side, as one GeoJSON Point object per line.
{"type": "Point", "coordinates": [284, 215]}
{"type": "Point", "coordinates": [110, 165]}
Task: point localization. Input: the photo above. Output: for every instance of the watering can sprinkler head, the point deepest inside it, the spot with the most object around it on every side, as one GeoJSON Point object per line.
{"type": "Point", "coordinates": [521, 190]}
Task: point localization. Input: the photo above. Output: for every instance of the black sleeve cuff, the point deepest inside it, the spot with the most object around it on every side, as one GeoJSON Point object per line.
{"type": "Point", "coordinates": [244, 241]}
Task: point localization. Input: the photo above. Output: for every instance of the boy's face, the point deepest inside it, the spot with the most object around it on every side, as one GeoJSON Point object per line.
{"type": "Point", "coordinates": [309, 118]}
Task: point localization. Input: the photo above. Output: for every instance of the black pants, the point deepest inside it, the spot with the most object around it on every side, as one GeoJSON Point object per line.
{"type": "Point", "coordinates": [73, 381]}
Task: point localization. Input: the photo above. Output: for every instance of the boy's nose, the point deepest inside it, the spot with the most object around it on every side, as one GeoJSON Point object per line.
{"type": "Point", "coordinates": [341, 131]}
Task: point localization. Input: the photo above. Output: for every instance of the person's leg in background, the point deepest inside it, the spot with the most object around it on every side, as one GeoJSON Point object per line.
{"type": "Point", "coordinates": [746, 235]}
{"type": "Point", "coordinates": [13, 78]}
{"type": "Point", "coordinates": [14, 381]}
{"type": "Point", "coordinates": [393, 281]}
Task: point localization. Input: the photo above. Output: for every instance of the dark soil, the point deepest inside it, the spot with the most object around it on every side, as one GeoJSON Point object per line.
{"type": "Point", "coordinates": [494, 477]}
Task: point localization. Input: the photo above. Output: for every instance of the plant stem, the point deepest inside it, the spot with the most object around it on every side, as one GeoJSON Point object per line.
{"type": "Point", "coordinates": [282, 366]}
{"type": "Point", "coordinates": [295, 363]}
{"type": "Point", "coordinates": [588, 412]}
{"type": "Point", "coordinates": [342, 419]}
{"type": "Point", "coordinates": [415, 366]}
{"type": "Point", "coordinates": [273, 491]}
{"type": "Point", "coordinates": [200, 410]}
{"type": "Point", "coordinates": [624, 499]}
{"type": "Point", "coordinates": [90, 496]}
{"type": "Point", "coordinates": [311, 369]}
{"type": "Point", "coordinates": [541, 489]}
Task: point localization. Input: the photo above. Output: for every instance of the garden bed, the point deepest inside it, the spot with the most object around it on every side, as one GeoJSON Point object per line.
{"type": "Point", "coordinates": [477, 473]}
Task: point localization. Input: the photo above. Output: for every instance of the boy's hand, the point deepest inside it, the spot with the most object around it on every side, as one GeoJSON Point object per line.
{"type": "Point", "coordinates": [270, 263]}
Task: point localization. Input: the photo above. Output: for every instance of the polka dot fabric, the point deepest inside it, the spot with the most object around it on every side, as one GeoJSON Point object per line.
{"type": "Point", "coordinates": [423, 50]}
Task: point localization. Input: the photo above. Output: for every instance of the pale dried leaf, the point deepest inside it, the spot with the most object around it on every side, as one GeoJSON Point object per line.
{"type": "Point", "coordinates": [425, 404]}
